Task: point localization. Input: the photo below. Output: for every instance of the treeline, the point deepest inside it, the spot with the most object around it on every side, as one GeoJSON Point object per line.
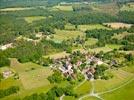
{"type": "Point", "coordinates": [52, 94]}
{"type": "Point", "coordinates": [90, 18]}
{"type": "Point", "coordinates": [103, 35]}
{"type": "Point", "coordinates": [126, 16]}
{"type": "Point", "coordinates": [26, 51]}
{"type": "Point", "coordinates": [8, 91]}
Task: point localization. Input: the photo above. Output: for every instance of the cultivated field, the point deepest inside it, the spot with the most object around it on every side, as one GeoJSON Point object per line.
{"type": "Point", "coordinates": [16, 9]}
{"type": "Point", "coordinates": [91, 27]}
{"type": "Point", "coordinates": [116, 25]}
{"type": "Point", "coordinates": [63, 8]}
{"type": "Point", "coordinates": [124, 93]}
{"type": "Point", "coordinates": [84, 88]}
{"type": "Point", "coordinates": [120, 77]}
{"type": "Point", "coordinates": [128, 7]}
{"type": "Point", "coordinates": [33, 18]}
{"type": "Point", "coordinates": [32, 79]}
{"type": "Point", "coordinates": [66, 34]}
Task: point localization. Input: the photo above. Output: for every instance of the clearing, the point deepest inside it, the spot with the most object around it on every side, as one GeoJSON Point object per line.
{"type": "Point", "coordinates": [91, 27]}
{"type": "Point", "coordinates": [16, 9]}
{"type": "Point", "coordinates": [117, 25]}
{"type": "Point", "coordinates": [33, 18]}
{"type": "Point", "coordinates": [66, 34]}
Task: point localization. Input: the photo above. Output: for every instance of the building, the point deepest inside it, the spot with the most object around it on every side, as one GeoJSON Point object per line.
{"type": "Point", "coordinates": [7, 73]}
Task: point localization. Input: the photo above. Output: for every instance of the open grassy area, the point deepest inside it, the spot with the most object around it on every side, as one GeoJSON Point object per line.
{"type": "Point", "coordinates": [16, 9]}
{"type": "Point", "coordinates": [91, 27]}
{"type": "Point", "coordinates": [117, 25]}
{"type": "Point", "coordinates": [124, 93]}
{"type": "Point", "coordinates": [69, 27]}
{"type": "Point", "coordinates": [69, 98]}
{"type": "Point", "coordinates": [66, 34]}
{"type": "Point", "coordinates": [84, 88]}
{"type": "Point", "coordinates": [91, 98]}
{"type": "Point", "coordinates": [128, 7]}
{"type": "Point", "coordinates": [63, 8]}
{"type": "Point", "coordinates": [121, 35]}
{"type": "Point", "coordinates": [37, 78]}
{"type": "Point", "coordinates": [32, 79]}
{"type": "Point", "coordinates": [91, 41]}
{"type": "Point", "coordinates": [120, 77]}
{"type": "Point", "coordinates": [113, 46]}
{"type": "Point", "coordinates": [33, 18]}
{"type": "Point", "coordinates": [129, 68]}
{"type": "Point", "coordinates": [57, 55]}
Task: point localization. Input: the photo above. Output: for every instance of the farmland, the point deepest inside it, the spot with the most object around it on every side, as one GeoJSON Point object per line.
{"type": "Point", "coordinates": [33, 18]}
{"type": "Point", "coordinates": [68, 51]}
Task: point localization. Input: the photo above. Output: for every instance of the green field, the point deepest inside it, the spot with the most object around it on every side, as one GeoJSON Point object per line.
{"type": "Point", "coordinates": [91, 27]}
{"type": "Point", "coordinates": [69, 27]}
{"type": "Point", "coordinates": [84, 88]}
{"type": "Point", "coordinates": [32, 79]}
{"type": "Point", "coordinates": [16, 9]}
{"type": "Point", "coordinates": [120, 77]}
{"type": "Point", "coordinates": [91, 41]}
{"type": "Point", "coordinates": [63, 8]}
{"type": "Point", "coordinates": [124, 93]}
{"type": "Point", "coordinates": [66, 34]}
{"type": "Point", "coordinates": [33, 18]}
{"type": "Point", "coordinates": [128, 7]}
{"type": "Point", "coordinates": [91, 98]}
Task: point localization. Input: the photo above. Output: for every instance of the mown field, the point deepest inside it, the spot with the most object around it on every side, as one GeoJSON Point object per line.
{"type": "Point", "coordinates": [32, 79]}
{"type": "Point", "coordinates": [33, 18]}
{"type": "Point", "coordinates": [66, 34]}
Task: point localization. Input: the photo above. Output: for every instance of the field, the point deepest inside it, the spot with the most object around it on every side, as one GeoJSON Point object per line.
{"type": "Point", "coordinates": [63, 8]}
{"type": "Point", "coordinates": [66, 34]}
{"type": "Point", "coordinates": [91, 27]}
{"type": "Point", "coordinates": [57, 55]}
{"type": "Point", "coordinates": [15, 9]}
{"type": "Point", "coordinates": [91, 41]}
{"type": "Point", "coordinates": [84, 88]}
{"type": "Point", "coordinates": [117, 25]}
{"type": "Point", "coordinates": [115, 88]}
{"type": "Point", "coordinates": [120, 77]}
{"type": "Point", "coordinates": [124, 93]}
{"type": "Point", "coordinates": [32, 79]}
{"type": "Point", "coordinates": [70, 27]}
{"type": "Point", "coordinates": [33, 18]}
{"type": "Point", "coordinates": [128, 7]}
{"type": "Point", "coordinates": [121, 35]}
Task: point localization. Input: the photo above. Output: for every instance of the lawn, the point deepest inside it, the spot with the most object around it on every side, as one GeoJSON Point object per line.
{"type": "Point", "coordinates": [124, 93]}
{"type": "Point", "coordinates": [63, 8]}
{"type": "Point", "coordinates": [83, 89]}
{"type": "Point", "coordinates": [66, 34]}
{"type": "Point", "coordinates": [91, 27]}
{"type": "Point", "coordinates": [33, 18]}
{"type": "Point", "coordinates": [120, 77]}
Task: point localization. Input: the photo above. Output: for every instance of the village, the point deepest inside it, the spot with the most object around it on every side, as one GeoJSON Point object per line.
{"type": "Point", "coordinates": [84, 63]}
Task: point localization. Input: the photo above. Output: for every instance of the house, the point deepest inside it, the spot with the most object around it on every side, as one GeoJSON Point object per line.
{"type": "Point", "coordinates": [4, 47]}
{"type": "Point", "coordinates": [7, 73]}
